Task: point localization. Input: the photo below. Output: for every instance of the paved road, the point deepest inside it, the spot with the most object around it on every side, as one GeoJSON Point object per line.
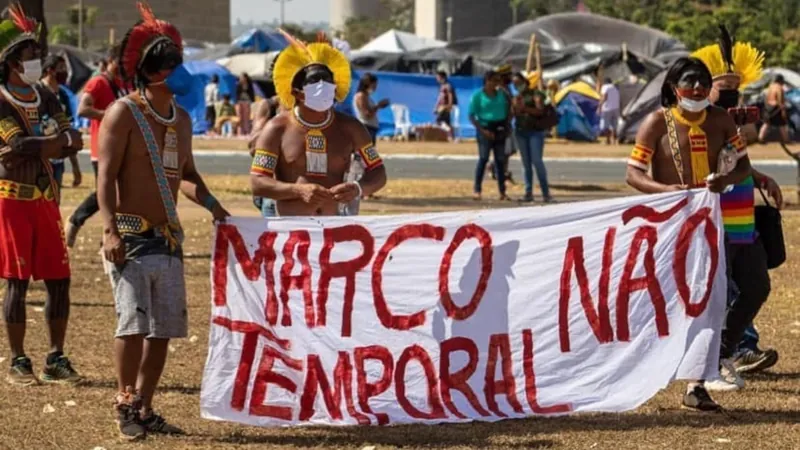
{"type": "Point", "coordinates": [559, 170]}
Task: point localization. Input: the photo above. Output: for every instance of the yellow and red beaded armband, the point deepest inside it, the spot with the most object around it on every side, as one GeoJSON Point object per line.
{"type": "Point", "coordinates": [641, 157]}
{"type": "Point", "coordinates": [739, 144]}
{"type": "Point", "coordinates": [9, 128]}
{"type": "Point", "coordinates": [264, 163]}
{"type": "Point", "coordinates": [370, 157]}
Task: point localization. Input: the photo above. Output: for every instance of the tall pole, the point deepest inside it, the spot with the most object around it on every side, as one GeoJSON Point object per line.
{"type": "Point", "coordinates": [283, 10]}
{"type": "Point", "coordinates": [80, 24]}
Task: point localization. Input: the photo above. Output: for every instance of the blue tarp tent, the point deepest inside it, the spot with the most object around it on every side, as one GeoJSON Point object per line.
{"type": "Point", "coordinates": [419, 93]}
{"type": "Point", "coordinates": [258, 41]}
{"type": "Point", "coordinates": [202, 71]}
{"type": "Point", "coordinates": [577, 111]}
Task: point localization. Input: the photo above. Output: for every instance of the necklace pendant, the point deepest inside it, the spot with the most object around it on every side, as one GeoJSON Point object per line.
{"type": "Point", "coordinates": [316, 154]}
{"type": "Point", "coordinates": [32, 114]}
{"type": "Point", "coordinates": [171, 162]}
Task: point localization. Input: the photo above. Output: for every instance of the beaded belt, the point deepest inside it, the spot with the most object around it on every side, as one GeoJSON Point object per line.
{"type": "Point", "coordinates": [18, 191]}
{"type": "Point", "coordinates": [133, 224]}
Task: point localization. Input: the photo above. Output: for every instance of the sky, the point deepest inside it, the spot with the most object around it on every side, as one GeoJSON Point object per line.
{"type": "Point", "coordinates": [297, 11]}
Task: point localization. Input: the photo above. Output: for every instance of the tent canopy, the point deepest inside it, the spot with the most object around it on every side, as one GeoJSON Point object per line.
{"type": "Point", "coordinates": [558, 31]}
{"type": "Point", "coordinates": [394, 41]}
{"type": "Point", "coordinates": [256, 65]}
{"type": "Point", "coordinates": [259, 41]}
{"type": "Point", "coordinates": [202, 71]}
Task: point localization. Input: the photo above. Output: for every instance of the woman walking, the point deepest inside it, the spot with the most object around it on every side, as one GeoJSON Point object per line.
{"type": "Point", "coordinates": [489, 112]}
{"type": "Point", "coordinates": [366, 109]}
{"type": "Point", "coordinates": [534, 118]}
{"type": "Point", "coordinates": [245, 96]}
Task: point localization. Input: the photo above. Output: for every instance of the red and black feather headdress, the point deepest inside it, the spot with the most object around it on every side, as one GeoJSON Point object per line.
{"type": "Point", "coordinates": [141, 38]}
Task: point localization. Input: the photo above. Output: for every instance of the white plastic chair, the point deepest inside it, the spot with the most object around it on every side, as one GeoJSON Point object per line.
{"type": "Point", "coordinates": [455, 117]}
{"type": "Point", "coordinates": [402, 121]}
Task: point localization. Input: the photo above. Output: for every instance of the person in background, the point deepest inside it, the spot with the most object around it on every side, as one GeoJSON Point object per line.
{"type": "Point", "coordinates": [227, 114]}
{"type": "Point", "coordinates": [444, 104]}
{"type": "Point", "coordinates": [366, 109]}
{"type": "Point", "coordinates": [366, 113]}
{"type": "Point", "coordinates": [553, 86]}
{"type": "Point", "coordinates": [775, 110]}
{"type": "Point", "coordinates": [98, 94]}
{"type": "Point", "coordinates": [265, 111]}
{"type": "Point", "coordinates": [212, 100]}
{"type": "Point", "coordinates": [245, 96]}
{"type": "Point", "coordinates": [609, 111]}
{"type": "Point", "coordinates": [489, 112]}
{"type": "Point", "coordinates": [534, 117]}
{"type": "Point", "coordinates": [55, 76]}
{"type": "Point", "coordinates": [506, 75]}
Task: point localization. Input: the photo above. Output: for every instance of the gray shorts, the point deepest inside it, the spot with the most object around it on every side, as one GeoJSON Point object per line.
{"type": "Point", "coordinates": [150, 297]}
{"type": "Point", "coordinates": [609, 120]}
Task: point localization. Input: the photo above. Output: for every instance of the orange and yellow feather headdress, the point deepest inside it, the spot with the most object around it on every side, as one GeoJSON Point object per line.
{"type": "Point", "coordinates": [726, 59]}
{"type": "Point", "coordinates": [298, 56]}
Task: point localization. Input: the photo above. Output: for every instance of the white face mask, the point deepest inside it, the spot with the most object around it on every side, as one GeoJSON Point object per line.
{"type": "Point", "coordinates": [319, 96]}
{"type": "Point", "coordinates": [31, 71]}
{"type": "Point", "coordinates": [690, 105]}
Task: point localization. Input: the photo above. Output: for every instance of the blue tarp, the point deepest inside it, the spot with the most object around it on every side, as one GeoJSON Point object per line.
{"type": "Point", "coordinates": [202, 71]}
{"type": "Point", "coordinates": [578, 120]}
{"type": "Point", "coordinates": [419, 93]}
{"type": "Point", "coordinates": [258, 41]}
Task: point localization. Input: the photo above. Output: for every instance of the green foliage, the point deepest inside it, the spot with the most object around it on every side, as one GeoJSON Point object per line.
{"type": "Point", "coordinates": [360, 30]}
{"type": "Point", "coordinates": [67, 33]}
{"type": "Point", "coordinates": [772, 26]}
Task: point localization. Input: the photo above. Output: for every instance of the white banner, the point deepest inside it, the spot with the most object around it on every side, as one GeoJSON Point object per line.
{"type": "Point", "coordinates": [477, 315]}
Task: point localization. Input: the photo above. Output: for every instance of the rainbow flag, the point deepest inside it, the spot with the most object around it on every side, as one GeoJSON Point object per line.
{"type": "Point", "coordinates": [738, 213]}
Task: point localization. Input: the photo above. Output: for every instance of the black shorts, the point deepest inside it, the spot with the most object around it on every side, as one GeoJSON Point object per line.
{"type": "Point", "coordinates": [443, 117]}
{"type": "Point", "coordinates": [211, 115]}
{"type": "Point", "coordinates": [774, 116]}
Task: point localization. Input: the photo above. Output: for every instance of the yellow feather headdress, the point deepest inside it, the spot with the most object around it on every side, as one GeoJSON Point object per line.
{"type": "Point", "coordinates": [299, 55]}
{"type": "Point", "coordinates": [741, 60]}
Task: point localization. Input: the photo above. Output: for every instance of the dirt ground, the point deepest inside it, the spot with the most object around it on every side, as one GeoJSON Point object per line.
{"type": "Point", "coordinates": [766, 415]}
{"type": "Point", "coordinates": [553, 148]}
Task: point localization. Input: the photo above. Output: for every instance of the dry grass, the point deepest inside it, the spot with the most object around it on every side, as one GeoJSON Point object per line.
{"type": "Point", "coordinates": [765, 415]}
{"type": "Point", "coordinates": [554, 148]}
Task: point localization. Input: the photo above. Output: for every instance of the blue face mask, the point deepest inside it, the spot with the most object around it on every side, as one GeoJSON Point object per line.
{"type": "Point", "coordinates": [180, 81]}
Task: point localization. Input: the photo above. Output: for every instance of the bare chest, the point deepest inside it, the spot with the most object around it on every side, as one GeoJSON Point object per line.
{"type": "Point", "coordinates": [171, 149]}
{"type": "Point", "coordinates": [319, 155]}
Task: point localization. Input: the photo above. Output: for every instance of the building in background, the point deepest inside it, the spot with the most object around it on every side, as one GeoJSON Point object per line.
{"type": "Point", "coordinates": [459, 19]}
{"type": "Point", "coordinates": [205, 20]}
{"type": "Point", "coordinates": [341, 10]}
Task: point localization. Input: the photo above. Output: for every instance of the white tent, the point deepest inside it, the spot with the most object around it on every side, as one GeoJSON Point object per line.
{"type": "Point", "coordinates": [257, 65]}
{"type": "Point", "coordinates": [394, 41]}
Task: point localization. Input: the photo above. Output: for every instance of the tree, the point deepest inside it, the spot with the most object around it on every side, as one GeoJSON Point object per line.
{"type": "Point", "coordinates": [67, 33]}
{"type": "Point", "coordinates": [361, 30]}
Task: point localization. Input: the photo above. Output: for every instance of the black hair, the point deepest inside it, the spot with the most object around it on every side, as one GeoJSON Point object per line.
{"type": "Point", "coordinates": [51, 61]}
{"type": "Point", "coordinates": [365, 82]}
{"type": "Point", "coordinates": [215, 78]}
{"type": "Point", "coordinates": [488, 76]}
{"type": "Point", "coordinates": [163, 55]}
{"type": "Point", "coordinates": [226, 97]}
{"type": "Point", "coordinates": [676, 70]}
{"type": "Point", "coordinates": [442, 74]}
{"type": "Point", "coordinates": [14, 56]}
{"type": "Point", "coordinates": [112, 54]}
{"type": "Point", "coordinates": [300, 77]}
{"type": "Point", "coordinates": [779, 79]}
{"type": "Point", "coordinates": [607, 80]}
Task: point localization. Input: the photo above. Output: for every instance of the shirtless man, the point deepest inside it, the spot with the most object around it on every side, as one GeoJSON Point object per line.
{"type": "Point", "coordinates": [264, 111]}
{"type": "Point", "coordinates": [775, 110]}
{"type": "Point", "coordinates": [703, 132]}
{"type": "Point", "coordinates": [303, 154]}
{"type": "Point", "coordinates": [145, 158]}
{"type": "Point", "coordinates": [734, 66]}
{"type": "Point", "coordinates": [33, 129]}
